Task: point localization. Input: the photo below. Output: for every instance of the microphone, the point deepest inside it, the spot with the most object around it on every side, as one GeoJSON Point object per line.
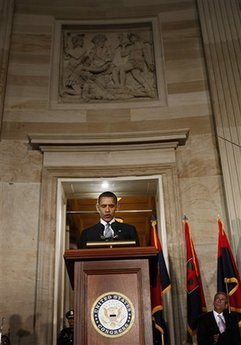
{"type": "Point", "coordinates": [107, 239]}
{"type": "Point", "coordinates": [115, 236]}
{"type": "Point", "coordinates": [116, 230]}
{"type": "Point", "coordinates": [102, 237]}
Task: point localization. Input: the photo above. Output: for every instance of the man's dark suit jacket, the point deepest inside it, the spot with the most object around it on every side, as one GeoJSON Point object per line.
{"type": "Point", "coordinates": [122, 232]}
{"type": "Point", "coordinates": [207, 327]}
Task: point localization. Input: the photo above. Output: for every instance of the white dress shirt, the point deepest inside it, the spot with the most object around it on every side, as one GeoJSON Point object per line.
{"type": "Point", "coordinates": [221, 323]}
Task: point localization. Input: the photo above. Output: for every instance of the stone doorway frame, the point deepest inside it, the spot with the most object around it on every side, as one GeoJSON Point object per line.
{"type": "Point", "coordinates": [143, 154]}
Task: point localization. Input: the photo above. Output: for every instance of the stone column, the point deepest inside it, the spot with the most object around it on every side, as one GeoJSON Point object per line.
{"type": "Point", "coordinates": [6, 16]}
{"type": "Point", "coordinates": [221, 29]}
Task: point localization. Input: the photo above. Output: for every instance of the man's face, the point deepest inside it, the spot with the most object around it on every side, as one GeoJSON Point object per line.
{"type": "Point", "coordinates": [220, 303]}
{"type": "Point", "coordinates": [107, 208]}
{"type": "Point", "coordinates": [71, 323]}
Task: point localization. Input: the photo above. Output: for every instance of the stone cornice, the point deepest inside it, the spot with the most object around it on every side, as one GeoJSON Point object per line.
{"type": "Point", "coordinates": [111, 141]}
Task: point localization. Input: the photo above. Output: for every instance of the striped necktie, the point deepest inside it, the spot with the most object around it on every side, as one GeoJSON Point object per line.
{"type": "Point", "coordinates": [108, 231]}
{"type": "Point", "coordinates": [221, 324]}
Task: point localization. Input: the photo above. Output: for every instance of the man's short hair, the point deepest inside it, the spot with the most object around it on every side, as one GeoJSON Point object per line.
{"type": "Point", "coordinates": [107, 194]}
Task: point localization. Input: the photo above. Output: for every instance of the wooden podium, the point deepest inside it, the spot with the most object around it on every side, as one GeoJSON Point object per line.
{"type": "Point", "coordinates": [112, 294]}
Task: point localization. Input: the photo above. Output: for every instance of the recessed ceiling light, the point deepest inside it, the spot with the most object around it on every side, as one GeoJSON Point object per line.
{"type": "Point", "coordinates": [105, 185]}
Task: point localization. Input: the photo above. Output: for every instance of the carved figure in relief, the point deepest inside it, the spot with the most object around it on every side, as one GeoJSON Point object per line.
{"type": "Point", "coordinates": [99, 64]}
{"type": "Point", "coordinates": [139, 62]}
{"type": "Point", "coordinates": [107, 68]}
{"type": "Point", "coordinates": [75, 58]}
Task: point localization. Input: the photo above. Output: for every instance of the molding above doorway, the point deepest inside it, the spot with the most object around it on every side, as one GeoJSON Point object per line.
{"type": "Point", "coordinates": [114, 141]}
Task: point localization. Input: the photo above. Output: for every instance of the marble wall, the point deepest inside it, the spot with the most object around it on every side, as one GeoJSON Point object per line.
{"type": "Point", "coordinates": [193, 178]}
{"type": "Point", "coordinates": [221, 29]}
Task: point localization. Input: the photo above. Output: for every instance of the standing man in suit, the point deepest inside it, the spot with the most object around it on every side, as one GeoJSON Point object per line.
{"type": "Point", "coordinates": [219, 326]}
{"type": "Point", "coordinates": [66, 336]}
{"type": "Point", "coordinates": [108, 228]}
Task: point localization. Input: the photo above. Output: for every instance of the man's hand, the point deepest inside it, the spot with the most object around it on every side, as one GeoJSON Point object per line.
{"type": "Point", "coordinates": [215, 338]}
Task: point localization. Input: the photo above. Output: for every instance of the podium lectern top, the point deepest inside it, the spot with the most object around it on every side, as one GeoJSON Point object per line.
{"type": "Point", "coordinates": [124, 253]}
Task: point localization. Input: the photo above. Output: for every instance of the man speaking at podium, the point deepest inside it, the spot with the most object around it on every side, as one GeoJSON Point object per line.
{"type": "Point", "coordinates": [108, 229]}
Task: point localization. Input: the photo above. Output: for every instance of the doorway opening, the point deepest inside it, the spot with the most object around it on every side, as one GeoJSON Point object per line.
{"type": "Point", "coordinates": [141, 200]}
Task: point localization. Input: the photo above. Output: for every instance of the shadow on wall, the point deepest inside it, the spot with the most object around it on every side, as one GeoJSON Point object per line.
{"type": "Point", "coordinates": [19, 333]}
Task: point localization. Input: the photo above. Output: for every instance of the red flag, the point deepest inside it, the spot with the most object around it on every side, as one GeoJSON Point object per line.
{"type": "Point", "coordinates": [163, 284]}
{"type": "Point", "coordinates": [228, 279]}
{"type": "Point", "coordinates": [196, 304]}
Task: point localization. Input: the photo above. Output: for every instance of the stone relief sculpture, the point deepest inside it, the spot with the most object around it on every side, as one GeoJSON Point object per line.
{"type": "Point", "coordinates": [138, 63]}
{"type": "Point", "coordinates": [104, 66]}
{"type": "Point", "coordinates": [75, 57]}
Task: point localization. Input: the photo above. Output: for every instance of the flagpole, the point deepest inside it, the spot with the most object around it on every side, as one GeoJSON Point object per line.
{"type": "Point", "coordinates": [226, 287]}
{"type": "Point", "coordinates": [162, 336]}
